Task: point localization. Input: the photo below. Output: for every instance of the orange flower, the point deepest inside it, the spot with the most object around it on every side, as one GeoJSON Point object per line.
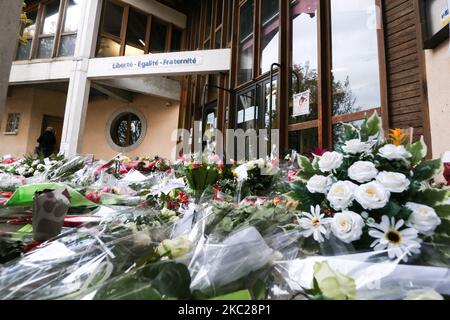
{"type": "Point", "coordinates": [398, 136]}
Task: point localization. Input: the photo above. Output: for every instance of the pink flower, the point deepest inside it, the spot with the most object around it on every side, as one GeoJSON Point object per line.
{"type": "Point", "coordinates": [196, 165]}
{"type": "Point", "coordinates": [292, 175]}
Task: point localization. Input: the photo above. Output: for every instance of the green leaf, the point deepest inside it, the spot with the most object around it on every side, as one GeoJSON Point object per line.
{"type": "Point", "coordinates": [443, 211]}
{"type": "Point", "coordinates": [171, 279]}
{"type": "Point", "coordinates": [427, 170]}
{"type": "Point", "coordinates": [350, 132]}
{"type": "Point", "coordinates": [306, 168]}
{"type": "Point", "coordinates": [235, 296]}
{"type": "Point", "coordinates": [306, 199]}
{"type": "Point", "coordinates": [418, 151]}
{"type": "Point", "coordinates": [431, 197]}
{"type": "Point", "coordinates": [372, 126]}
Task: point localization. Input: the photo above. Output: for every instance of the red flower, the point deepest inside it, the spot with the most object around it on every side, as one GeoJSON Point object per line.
{"type": "Point", "coordinates": [172, 205]}
{"type": "Point", "coordinates": [183, 198]}
{"type": "Point", "coordinates": [319, 152]}
{"type": "Point", "coordinates": [196, 165]}
{"type": "Point", "coordinates": [8, 161]}
{"type": "Point", "coordinates": [94, 197]}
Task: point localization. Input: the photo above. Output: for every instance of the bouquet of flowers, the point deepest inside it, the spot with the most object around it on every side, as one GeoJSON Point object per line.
{"type": "Point", "coordinates": [200, 173]}
{"type": "Point", "coordinates": [372, 193]}
{"type": "Point", "coordinates": [257, 177]}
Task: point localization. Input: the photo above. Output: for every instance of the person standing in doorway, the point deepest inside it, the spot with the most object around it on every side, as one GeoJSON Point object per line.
{"type": "Point", "coordinates": [47, 142]}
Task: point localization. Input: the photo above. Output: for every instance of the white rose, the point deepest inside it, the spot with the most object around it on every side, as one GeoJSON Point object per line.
{"type": "Point", "coordinates": [362, 171]}
{"type": "Point", "coordinates": [35, 163]}
{"type": "Point", "coordinates": [393, 181]}
{"type": "Point", "coordinates": [347, 226]}
{"type": "Point", "coordinates": [319, 184]}
{"type": "Point", "coordinates": [330, 161]}
{"type": "Point", "coordinates": [392, 152]}
{"type": "Point", "coordinates": [423, 218]}
{"type": "Point", "coordinates": [372, 196]}
{"type": "Point", "coordinates": [356, 146]}
{"type": "Point", "coordinates": [340, 195]}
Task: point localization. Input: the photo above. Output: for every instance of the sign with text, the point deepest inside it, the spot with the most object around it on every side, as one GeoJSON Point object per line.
{"type": "Point", "coordinates": [172, 63]}
{"type": "Point", "coordinates": [301, 104]}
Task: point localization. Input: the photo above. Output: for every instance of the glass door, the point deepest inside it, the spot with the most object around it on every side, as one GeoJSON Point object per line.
{"type": "Point", "coordinates": [256, 110]}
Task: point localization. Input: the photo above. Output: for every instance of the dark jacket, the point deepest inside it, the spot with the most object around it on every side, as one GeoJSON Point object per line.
{"type": "Point", "coordinates": [47, 142]}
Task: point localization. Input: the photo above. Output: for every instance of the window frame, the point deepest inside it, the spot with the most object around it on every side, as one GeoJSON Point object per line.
{"type": "Point", "coordinates": [122, 40]}
{"type": "Point", "coordinates": [40, 7]}
{"type": "Point", "coordinates": [431, 41]}
{"type": "Point", "coordinates": [326, 120]}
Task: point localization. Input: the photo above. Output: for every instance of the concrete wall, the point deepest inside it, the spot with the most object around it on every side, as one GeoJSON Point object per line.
{"type": "Point", "coordinates": [438, 78]}
{"type": "Point", "coordinates": [20, 101]}
{"type": "Point", "coordinates": [161, 121]}
{"type": "Point", "coordinates": [32, 104]}
{"type": "Point", "coordinates": [9, 26]}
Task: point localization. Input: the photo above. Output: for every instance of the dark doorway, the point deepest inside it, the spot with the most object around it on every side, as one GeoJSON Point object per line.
{"type": "Point", "coordinates": [57, 124]}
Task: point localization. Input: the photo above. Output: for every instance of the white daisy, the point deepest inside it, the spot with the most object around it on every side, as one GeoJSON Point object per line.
{"type": "Point", "coordinates": [315, 224]}
{"type": "Point", "coordinates": [400, 244]}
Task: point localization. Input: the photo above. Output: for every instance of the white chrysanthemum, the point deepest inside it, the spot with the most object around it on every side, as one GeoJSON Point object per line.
{"type": "Point", "coordinates": [399, 243]}
{"type": "Point", "coordinates": [315, 224]}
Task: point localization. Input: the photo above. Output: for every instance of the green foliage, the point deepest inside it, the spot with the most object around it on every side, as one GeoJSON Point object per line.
{"type": "Point", "coordinates": [418, 151]}
{"type": "Point", "coordinates": [431, 197]}
{"type": "Point", "coordinates": [307, 169]}
{"type": "Point", "coordinates": [371, 127]}
{"type": "Point", "coordinates": [427, 170]}
{"type": "Point", "coordinates": [305, 198]}
{"type": "Point", "coordinates": [166, 280]}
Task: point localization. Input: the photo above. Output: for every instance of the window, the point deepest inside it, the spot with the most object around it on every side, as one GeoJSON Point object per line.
{"type": "Point", "coordinates": [435, 28]}
{"type": "Point", "coordinates": [28, 33]}
{"type": "Point", "coordinates": [126, 130]}
{"type": "Point", "coordinates": [136, 33]}
{"type": "Point", "coordinates": [127, 31]}
{"type": "Point", "coordinates": [158, 36]}
{"type": "Point", "coordinates": [70, 28]}
{"type": "Point", "coordinates": [304, 129]}
{"type": "Point", "coordinates": [177, 37]}
{"type": "Point", "coordinates": [270, 25]}
{"type": "Point", "coordinates": [246, 42]}
{"type": "Point", "coordinates": [12, 123]}
{"type": "Point", "coordinates": [53, 31]}
{"type": "Point", "coordinates": [355, 65]}
{"type": "Point", "coordinates": [48, 30]}
{"type": "Point", "coordinates": [355, 84]}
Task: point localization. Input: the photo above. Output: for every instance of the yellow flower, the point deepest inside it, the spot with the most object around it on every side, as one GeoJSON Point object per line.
{"type": "Point", "coordinates": [398, 136]}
